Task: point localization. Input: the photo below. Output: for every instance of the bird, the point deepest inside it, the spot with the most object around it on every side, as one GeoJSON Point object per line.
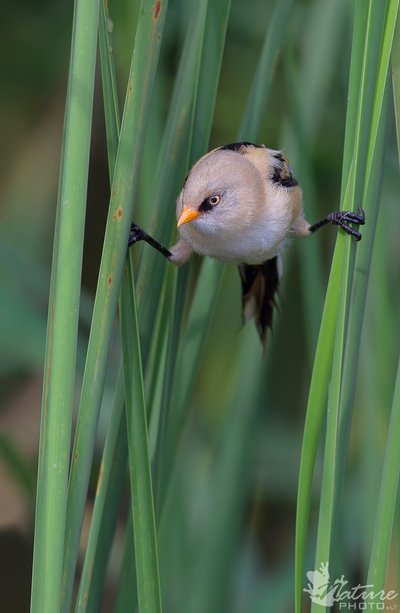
{"type": "Point", "coordinates": [241, 203]}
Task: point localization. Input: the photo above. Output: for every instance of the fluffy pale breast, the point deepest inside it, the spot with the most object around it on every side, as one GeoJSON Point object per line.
{"type": "Point", "coordinates": [268, 206]}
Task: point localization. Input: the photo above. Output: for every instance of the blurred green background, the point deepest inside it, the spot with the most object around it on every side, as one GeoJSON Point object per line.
{"type": "Point", "coordinates": [305, 115]}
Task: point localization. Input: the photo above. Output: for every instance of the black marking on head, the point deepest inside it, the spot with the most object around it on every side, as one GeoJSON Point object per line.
{"type": "Point", "coordinates": [208, 205]}
{"type": "Point", "coordinates": [239, 147]}
{"type": "Point", "coordinates": [282, 173]}
{"type": "Point", "coordinates": [205, 206]}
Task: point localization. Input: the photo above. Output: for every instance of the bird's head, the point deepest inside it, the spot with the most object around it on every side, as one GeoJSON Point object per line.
{"type": "Point", "coordinates": [221, 195]}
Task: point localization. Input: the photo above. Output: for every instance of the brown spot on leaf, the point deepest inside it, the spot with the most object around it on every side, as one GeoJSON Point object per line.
{"type": "Point", "coordinates": [157, 9]}
{"type": "Point", "coordinates": [109, 280]}
{"type": "Point", "coordinates": [118, 214]}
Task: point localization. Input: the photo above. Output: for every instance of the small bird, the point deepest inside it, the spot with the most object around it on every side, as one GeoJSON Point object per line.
{"type": "Point", "coordinates": [241, 203]}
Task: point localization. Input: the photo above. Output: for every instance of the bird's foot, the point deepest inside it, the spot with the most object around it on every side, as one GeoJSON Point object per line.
{"type": "Point", "coordinates": [136, 234]}
{"type": "Point", "coordinates": [343, 218]}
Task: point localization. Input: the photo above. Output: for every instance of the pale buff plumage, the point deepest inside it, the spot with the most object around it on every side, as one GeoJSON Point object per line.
{"type": "Point", "coordinates": [255, 214]}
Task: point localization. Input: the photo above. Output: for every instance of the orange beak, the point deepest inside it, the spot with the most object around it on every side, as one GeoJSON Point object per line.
{"type": "Point", "coordinates": [187, 215]}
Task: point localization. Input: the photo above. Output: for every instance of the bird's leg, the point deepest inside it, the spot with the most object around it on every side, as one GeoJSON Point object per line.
{"type": "Point", "coordinates": [342, 219]}
{"type": "Point", "coordinates": [136, 234]}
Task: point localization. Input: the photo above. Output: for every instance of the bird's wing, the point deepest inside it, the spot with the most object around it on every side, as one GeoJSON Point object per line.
{"type": "Point", "coordinates": [260, 283]}
{"type": "Point", "coordinates": [281, 171]}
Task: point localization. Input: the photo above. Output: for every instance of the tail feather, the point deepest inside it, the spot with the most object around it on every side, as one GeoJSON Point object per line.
{"type": "Point", "coordinates": [260, 284]}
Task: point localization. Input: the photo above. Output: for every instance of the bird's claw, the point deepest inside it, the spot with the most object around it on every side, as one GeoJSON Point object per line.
{"type": "Point", "coordinates": [343, 218]}
{"type": "Point", "coordinates": [136, 234]}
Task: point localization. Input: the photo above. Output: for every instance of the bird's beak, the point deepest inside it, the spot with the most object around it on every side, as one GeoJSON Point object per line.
{"type": "Point", "coordinates": [187, 215]}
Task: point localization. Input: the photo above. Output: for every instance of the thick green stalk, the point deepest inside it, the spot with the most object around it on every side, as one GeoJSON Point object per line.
{"type": "Point", "coordinates": [110, 484]}
{"type": "Point", "coordinates": [388, 495]}
{"type": "Point", "coordinates": [124, 186]}
{"type": "Point", "coordinates": [362, 129]}
{"type": "Point", "coordinates": [371, 202]}
{"type": "Point", "coordinates": [144, 527]}
{"type": "Point", "coordinates": [113, 465]}
{"type": "Point", "coordinates": [329, 477]}
{"type": "Point", "coordinates": [62, 328]}
{"type": "Point", "coordinates": [375, 164]}
{"type": "Point", "coordinates": [315, 411]}
{"type": "Point", "coordinates": [366, 131]}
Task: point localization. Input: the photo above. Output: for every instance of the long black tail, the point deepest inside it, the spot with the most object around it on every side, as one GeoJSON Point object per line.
{"type": "Point", "coordinates": [260, 284]}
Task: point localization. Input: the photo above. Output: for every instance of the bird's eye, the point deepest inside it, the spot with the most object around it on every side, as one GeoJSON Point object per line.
{"type": "Point", "coordinates": [214, 199]}
{"type": "Point", "coordinates": [209, 203]}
